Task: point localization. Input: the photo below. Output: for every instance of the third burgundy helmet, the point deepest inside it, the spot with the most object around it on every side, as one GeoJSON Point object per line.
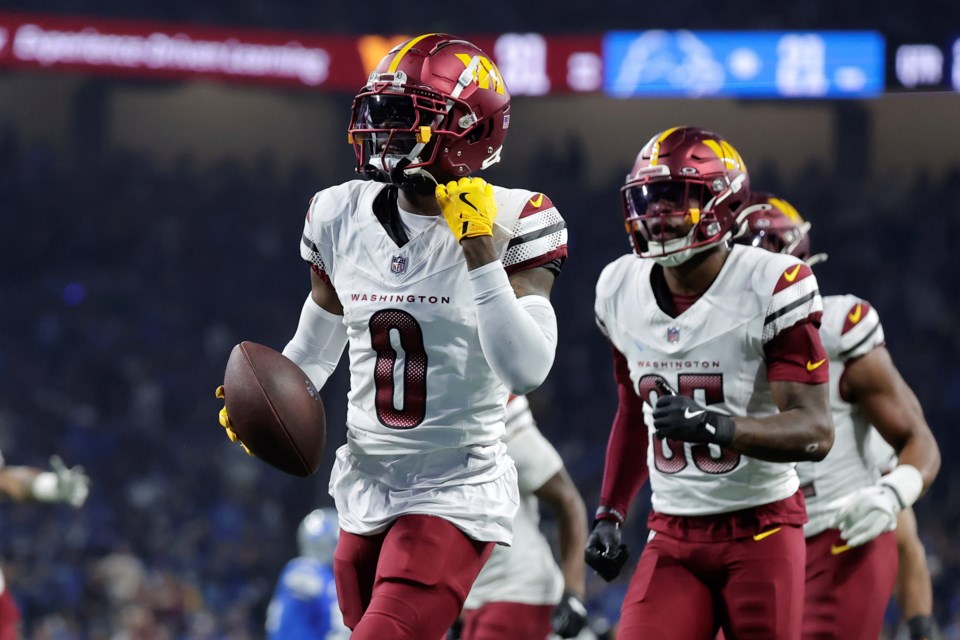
{"type": "Point", "coordinates": [775, 225]}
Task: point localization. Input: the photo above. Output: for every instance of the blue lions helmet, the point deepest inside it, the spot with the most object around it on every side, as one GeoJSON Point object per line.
{"type": "Point", "coordinates": [317, 535]}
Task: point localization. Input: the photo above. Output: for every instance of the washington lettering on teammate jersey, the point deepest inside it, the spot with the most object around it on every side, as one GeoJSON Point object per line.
{"type": "Point", "coordinates": [723, 351]}
{"type": "Point", "coordinates": [850, 329]}
{"type": "Point", "coordinates": [420, 386]}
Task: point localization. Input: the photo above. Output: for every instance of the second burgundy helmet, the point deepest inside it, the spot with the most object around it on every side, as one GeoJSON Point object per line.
{"type": "Point", "coordinates": [435, 104]}
{"type": "Point", "coordinates": [690, 174]}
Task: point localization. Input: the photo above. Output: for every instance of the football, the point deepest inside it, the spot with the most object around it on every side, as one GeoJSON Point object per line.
{"type": "Point", "coordinates": [274, 409]}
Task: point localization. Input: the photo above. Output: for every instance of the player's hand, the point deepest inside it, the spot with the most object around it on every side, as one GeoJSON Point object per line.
{"type": "Point", "coordinates": [605, 552]}
{"type": "Point", "coordinates": [685, 419]}
{"type": "Point", "coordinates": [569, 616]}
{"type": "Point", "coordinates": [468, 207]}
{"type": "Point", "coordinates": [866, 513]}
{"type": "Point", "coordinates": [63, 484]}
{"type": "Point", "coordinates": [226, 424]}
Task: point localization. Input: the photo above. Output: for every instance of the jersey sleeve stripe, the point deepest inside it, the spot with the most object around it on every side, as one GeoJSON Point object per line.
{"type": "Point", "coordinates": [856, 350]}
{"type": "Point", "coordinates": [806, 308]}
{"type": "Point", "coordinates": [782, 311]}
{"type": "Point", "coordinates": [310, 253]}
{"type": "Point", "coordinates": [308, 243]}
{"type": "Point", "coordinates": [538, 233]}
{"type": "Point", "coordinates": [546, 248]}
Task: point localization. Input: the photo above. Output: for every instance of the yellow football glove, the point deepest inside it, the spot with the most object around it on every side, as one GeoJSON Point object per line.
{"type": "Point", "coordinates": [468, 206]}
{"type": "Point", "coordinates": [226, 424]}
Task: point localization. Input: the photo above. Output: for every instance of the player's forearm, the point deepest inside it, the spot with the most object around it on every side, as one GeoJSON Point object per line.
{"type": "Point", "coordinates": [518, 336]}
{"type": "Point", "coordinates": [793, 435]}
{"type": "Point", "coordinates": [16, 483]}
{"type": "Point", "coordinates": [625, 469]}
{"type": "Point", "coordinates": [921, 451]}
{"type": "Point", "coordinates": [914, 592]}
{"type": "Point", "coordinates": [572, 538]}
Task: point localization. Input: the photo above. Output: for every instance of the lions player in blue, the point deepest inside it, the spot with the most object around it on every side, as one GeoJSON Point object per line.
{"type": "Point", "coordinates": [304, 605]}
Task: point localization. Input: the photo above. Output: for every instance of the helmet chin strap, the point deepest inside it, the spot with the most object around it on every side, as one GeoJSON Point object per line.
{"type": "Point", "coordinates": [677, 256]}
{"type": "Point", "coordinates": [416, 180]}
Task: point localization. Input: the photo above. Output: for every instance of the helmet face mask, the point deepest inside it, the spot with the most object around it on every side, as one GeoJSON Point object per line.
{"type": "Point", "coordinates": [387, 128]}
{"type": "Point", "coordinates": [684, 195]}
{"type": "Point", "coordinates": [777, 242]}
{"type": "Point", "coordinates": [434, 109]}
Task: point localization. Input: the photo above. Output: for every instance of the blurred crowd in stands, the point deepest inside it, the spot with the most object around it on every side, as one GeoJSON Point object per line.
{"type": "Point", "coordinates": [125, 286]}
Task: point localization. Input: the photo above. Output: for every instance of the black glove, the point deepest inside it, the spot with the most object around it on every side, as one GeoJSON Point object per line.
{"type": "Point", "coordinates": [685, 419]}
{"type": "Point", "coordinates": [569, 617]}
{"type": "Point", "coordinates": [604, 552]}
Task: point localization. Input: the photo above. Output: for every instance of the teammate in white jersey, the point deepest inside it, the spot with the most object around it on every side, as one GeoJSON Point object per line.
{"type": "Point", "coordinates": [734, 331]}
{"type": "Point", "coordinates": [521, 592]}
{"type": "Point", "coordinates": [440, 285]}
{"type": "Point", "coordinates": [853, 508]}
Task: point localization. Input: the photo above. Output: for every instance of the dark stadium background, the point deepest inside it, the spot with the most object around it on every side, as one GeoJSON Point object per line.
{"type": "Point", "coordinates": [146, 226]}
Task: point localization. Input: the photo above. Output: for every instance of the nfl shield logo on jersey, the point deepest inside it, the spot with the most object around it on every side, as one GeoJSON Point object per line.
{"type": "Point", "coordinates": [673, 335]}
{"type": "Point", "coordinates": [398, 265]}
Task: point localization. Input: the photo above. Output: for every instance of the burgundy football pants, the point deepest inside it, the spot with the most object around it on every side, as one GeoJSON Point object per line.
{"type": "Point", "coordinates": [502, 620]}
{"type": "Point", "coordinates": [751, 588]}
{"type": "Point", "coordinates": [409, 582]}
{"type": "Point", "coordinates": [848, 588]}
{"type": "Point", "coordinates": [9, 616]}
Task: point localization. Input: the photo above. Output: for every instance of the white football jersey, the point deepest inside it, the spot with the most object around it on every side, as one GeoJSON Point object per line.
{"type": "Point", "coordinates": [526, 571]}
{"type": "Point", "coordinates": [850, 329]}
{"type": "Point", "coordinates": [714, 352]}
{"type": "Point", "coordinates": [419, 381]}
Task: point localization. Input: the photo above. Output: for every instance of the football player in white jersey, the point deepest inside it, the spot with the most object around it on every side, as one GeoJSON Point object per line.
{"type": "Point", "coordinates": [853, 508]}
{"type": "Point", "coordinates": [62, 484]}
{"type": "Point", "coordinates": [722, 388]}
{"type": "Point", "coordinates": [440, 284]}
{"type": "Point", "coordinates": [521, 592]}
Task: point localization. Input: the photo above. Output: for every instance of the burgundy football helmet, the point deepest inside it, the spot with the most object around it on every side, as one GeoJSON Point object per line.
{"type": "Point", "coordinates": [773, 224]}
{"type": "Point", "coordinates": [435, 107]}
{"type": "Point", "coordinates": [684, 175]}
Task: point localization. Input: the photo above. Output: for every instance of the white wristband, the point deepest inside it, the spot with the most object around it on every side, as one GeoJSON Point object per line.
{"type": "Point", "coordinates": [906, 482]}
{"type": "Point", "coordinates": [46, 487]}
{"type": "Point", "coordinates": [318, 344]}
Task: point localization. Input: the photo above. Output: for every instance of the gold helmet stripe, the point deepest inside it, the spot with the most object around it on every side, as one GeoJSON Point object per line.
{"type": "Point", "coordinates": [655, 151]}
{"type": "Point", "coordinates": [727, 154]}
{"type": "Point", "coordinates": [397, 58]}
{"type": "Point", "coordinates": [788, 210]}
